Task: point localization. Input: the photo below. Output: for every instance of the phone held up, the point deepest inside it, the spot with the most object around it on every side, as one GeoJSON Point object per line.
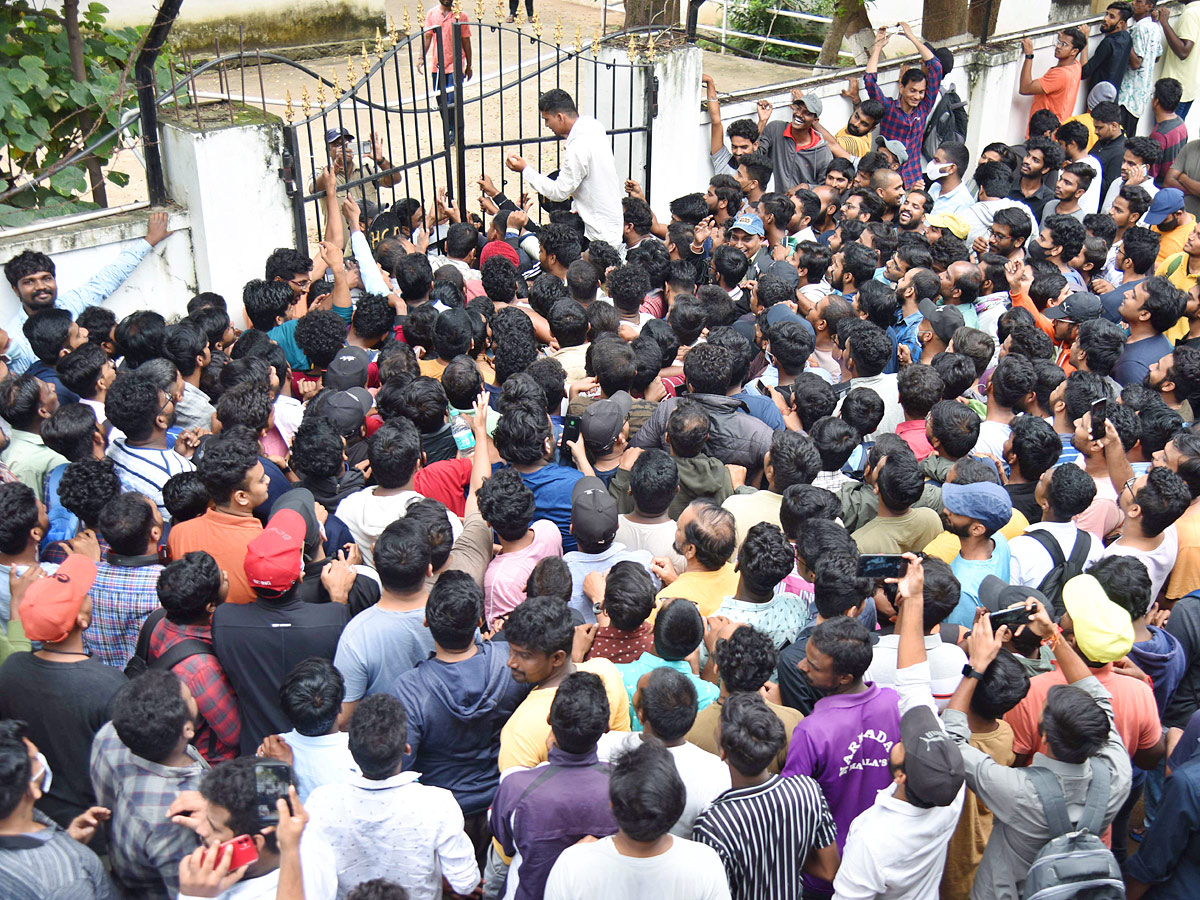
{"type": "Point", "coordinates": [882, 565]}
{"type": "Point", "coordinates": [271, 781]}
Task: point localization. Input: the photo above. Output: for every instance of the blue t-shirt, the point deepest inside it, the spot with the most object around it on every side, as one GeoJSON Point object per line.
{"type": "Point", "coordinates": [1134, 362]}
{"type": "Point", "coordinates": [284, 335]}
{"type": "Point", "coordinates": [970, 574]}
{"type": "Point", "coordinates": [552, 485]}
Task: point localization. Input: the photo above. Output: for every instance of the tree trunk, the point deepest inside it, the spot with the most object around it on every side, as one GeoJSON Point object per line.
{"type": "Point", "coordinates": [79, 72]}
{"type": "Point", "coordinates": [944, 19]}
{"type": "Point", "coordinates": [850, 19]}
{"type": "Point", "coordinates": [660, 13]}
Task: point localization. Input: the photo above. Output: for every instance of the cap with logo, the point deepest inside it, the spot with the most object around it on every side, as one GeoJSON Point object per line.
{"type": "Point", "coordinates": [944, 320]}
{"type": "Point", "coordinates": [52, 604]}
{"type": "Point", "coordinates": [1078, 307]}
{"type": "Point", "coordinates": [933, 765]}
{"type": "Point", "coordinates": [749, 223]}
{"type": "Point", "coordinates": [602, 421]}
{"type": "Point", "coordinates": [593, 513]}
{"type": "Point", "coordinates": [274, 559]}
{"type": "Point", "coordinates": [1166, 202]}
{"type": "Point", "coordinates": [348, 369]}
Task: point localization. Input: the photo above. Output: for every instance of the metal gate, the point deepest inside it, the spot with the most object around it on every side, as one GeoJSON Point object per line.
{"type": "Point", "coordinates": [402, 118]}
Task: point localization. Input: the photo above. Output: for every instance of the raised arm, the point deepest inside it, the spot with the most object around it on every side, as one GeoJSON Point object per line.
{"type": "Point", "coordinates": [881, 39]}
{"type": "Point", "coordinates": [1028, 85]}
{"type": "Point", "coordinates": [922, 48]}
{"type": "Point", "coordinates": [1181, 47]}
{"type": "Point", "coordinates": [481, 462]}
{"type": "Point", "coordinates": [716, 136]}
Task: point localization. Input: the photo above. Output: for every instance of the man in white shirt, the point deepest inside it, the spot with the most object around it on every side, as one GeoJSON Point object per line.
{"type": "Point", "coordinates": [643, 860]}
{"type": "Point", "coordinates": [588, 171]}
{"type": "Point", "coordinates": [665, 702]}
{"type": "Point", "coordinates": [1063, 493]}
{"type": "Point", "coordinates": [896, 848]}
{"type": "Point", "coordinates": [386, 824]}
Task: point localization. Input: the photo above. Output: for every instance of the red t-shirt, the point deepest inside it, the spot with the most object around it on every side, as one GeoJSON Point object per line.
{"type": "Point", "coordinates": [446, 482]}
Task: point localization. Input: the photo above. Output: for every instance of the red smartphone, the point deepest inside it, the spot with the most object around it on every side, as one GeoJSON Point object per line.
{"type": "Point", "coordinates": [245, 851]}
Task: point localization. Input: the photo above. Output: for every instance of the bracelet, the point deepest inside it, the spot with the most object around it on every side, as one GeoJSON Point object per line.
{"type": "Point", "coordinates": [1054, 638]}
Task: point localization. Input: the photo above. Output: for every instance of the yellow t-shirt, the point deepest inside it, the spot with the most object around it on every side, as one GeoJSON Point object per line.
{"type": "Point", "coordinates": [946, 545]}
{"type": "Point", "coordinates": [1087, 120]}
{"type": "Point", "coordinates": [1185, 281]}
{"type": "Point", "coordinates": [433, 367]}
{"type": "Point", "coordinates": [1171, 242]}
{"type": "Point", "coordinates": [975, 824]}
{"type": "Point", "coordinates": [705, 589]}
{"type": "Point", "coordinates": [853, 144]}
{"type": "Point", "coordinates": [523, 737]}
{"type": "Point", "coordinates": [1185, 577]}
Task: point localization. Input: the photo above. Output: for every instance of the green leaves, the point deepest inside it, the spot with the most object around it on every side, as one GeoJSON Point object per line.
{"type": "Point", "coordinates": [44, 108]}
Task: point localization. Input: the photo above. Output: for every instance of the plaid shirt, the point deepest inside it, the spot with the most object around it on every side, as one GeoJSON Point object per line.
{"type": "Point", "coordinates": [219, 728]}
{"type": "Point", "coordinates": [122, 597]}
{"type": "Point", "coordinates": [907, 128]}
{"type": "Point", "coordinates": [145, 846]}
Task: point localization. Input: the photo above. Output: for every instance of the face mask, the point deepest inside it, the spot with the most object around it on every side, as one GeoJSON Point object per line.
{"type": "Point", "coordinates": [1037, 252]}
{"type": "Point", "coordinates": [936, 171]}
{"type": "Point", "coordinates": [47, 775]}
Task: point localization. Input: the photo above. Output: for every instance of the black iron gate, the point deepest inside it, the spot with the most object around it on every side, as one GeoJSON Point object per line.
{"type": "Point", "coordinates": [402, 157]}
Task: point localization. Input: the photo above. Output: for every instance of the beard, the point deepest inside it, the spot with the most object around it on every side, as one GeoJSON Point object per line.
{"type": "Point", "coordinates": [1148, 383]}
{"type": "Point", "coordinates": [959, 531]}
{"type": "Point", "coordinates": [856, 130]}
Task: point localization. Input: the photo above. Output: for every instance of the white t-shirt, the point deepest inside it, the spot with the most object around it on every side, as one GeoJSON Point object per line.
{"type": "Point", "coordinates": [1159, 561]}
{"type": "Point", "coordinates": [704, 776]}
{"type": "Point", "coordinates": [1031, 563]}
{"type": "Point", "coordinates": [992, 438]}
{"type": "Point", "coordinates": [596, 871]}
{"type": "Point", "coordinates": [945, 662]}
{"type": "Point", "coordinates": [324, 759]}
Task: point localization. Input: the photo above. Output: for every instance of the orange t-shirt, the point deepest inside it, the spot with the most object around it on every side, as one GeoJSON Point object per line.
{"type": "Point", "coordinates": [1185, 577]}
{"type": "Point", "coordinates": [1024, 301]}
{"type": "Point", "coordinates": [1134, 710]}
{"type": "Point", "coordinates": [224, 538]}
{"type": "Point", "coordinates": [1061, 87]}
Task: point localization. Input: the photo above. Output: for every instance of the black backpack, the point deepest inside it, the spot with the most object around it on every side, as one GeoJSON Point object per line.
{"type": "Point", "coordinates": [1062, 570]}
{"type": "Point", "coordinates": [947, 122]}
{"type": "Point", "coordinates": [142, 661]}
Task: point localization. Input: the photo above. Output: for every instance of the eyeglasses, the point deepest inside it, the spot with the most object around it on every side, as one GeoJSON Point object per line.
{"type": "Point", "coordinates": [1063, 44]}
{"type": "Point", "coordinates": [171, 398]}
{"type": "Point", "coordinates": [300, 283]}
{"type": "Point", "coordinates": [1128, 486]}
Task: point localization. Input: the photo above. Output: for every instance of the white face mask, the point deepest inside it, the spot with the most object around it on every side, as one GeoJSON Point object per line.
{"type": "Point", "coordinates": [47, 776]}
{"type": "Point", "coordinates": [936, 171]}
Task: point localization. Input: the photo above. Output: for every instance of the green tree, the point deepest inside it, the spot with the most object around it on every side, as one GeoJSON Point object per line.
{"type": "Point", "coordinates": [65, 80]}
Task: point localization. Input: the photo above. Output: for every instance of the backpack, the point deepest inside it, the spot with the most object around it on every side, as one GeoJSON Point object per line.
{"type": "Point", "coordinates": [1062, 570]}
{"type": "Point", "coordinates": [142, 661]}
{"type": "Point", "coordinates": [1074, 864]}
{"type": "Point", "coordinates": [947, 122]}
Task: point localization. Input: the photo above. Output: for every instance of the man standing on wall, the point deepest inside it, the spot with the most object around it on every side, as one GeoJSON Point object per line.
{"type": "Point", "coordinates": [1182, 62]}
{"type": "Point", "coordinates": [588, 171]}
{"type": "Point", "coordinates": [32, 277]}
{"type": "Point", "coordinates": [904, 118]}
{"type": "Point", "coordinates": [440, 22]}
{"type": "Point", "coordinates": [1058, 87]}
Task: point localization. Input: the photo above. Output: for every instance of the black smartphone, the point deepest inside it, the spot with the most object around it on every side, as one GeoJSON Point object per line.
{"type": "Point", "coordinates": [1013, 617]}
{"type": "Point", "coordinates": [271, 781]}
{"type": "Point", "coordinates": [882, 565]}
{"type": "Point", "coordinates": [762, 388]}
{"type": "Point", "coordinates": [570, 433]}
{"type": "Point", "coordinates": [1099, 418]}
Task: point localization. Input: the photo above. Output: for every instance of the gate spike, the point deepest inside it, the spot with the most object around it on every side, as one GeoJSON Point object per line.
{"type": "Point", "coordinates": [305, 105]}
{"type": "Point", "coordinates": [378, 42]}
{"type": "Point", "coordinates": [650, 47]}
{"type": "Point", "coordinates": [479, 10]}
{"type": "Point", "coordinates": [520, 16]}
{"type": "Point", "coordinates": [407, 23]}
{"type": "Point", "coordinates": [596, 43]}
{"type": "Point", "coordinates": [499, 11]}
{"type": "Point", "coordinates": [288, 112]}
{"type": "Point", "coordinates": [578, 39]}
{"type": "Point", "coordinates": [350, 79]}
{"type": "Point", "coordinates": [558, 32]}
{"type": "Point", "coordinates": [365, 64]}
{"type": "Point", "coordinates": [418, 17]}
{"type": "Point", "coordinates": [632, 50]}
{"type": "Point", "coordinates": [391, 32]}
{"type": "Point", "coordinates": [321, 94]}
{"type": "Point", "coordinates": [456, 9]}
{"type": "Point", "coordinates": [337, 82]}
{"type": "Point", "coordinates": [537, 24]}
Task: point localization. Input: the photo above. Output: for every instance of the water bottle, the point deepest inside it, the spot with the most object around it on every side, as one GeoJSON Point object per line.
{"type": "Point", "coordinates": [464, 437]}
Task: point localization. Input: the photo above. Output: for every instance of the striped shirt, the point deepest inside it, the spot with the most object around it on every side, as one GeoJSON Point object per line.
{"type": "Point", "coordinates": [764, 834]}
{"type": "Point", "coordinates": [50, 863]}
{"type": "Point", "coordinates": [146, 470]}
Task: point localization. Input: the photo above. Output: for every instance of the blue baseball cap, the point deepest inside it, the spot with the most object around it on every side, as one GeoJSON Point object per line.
{"type": "Point", "coordinates": [749, 223]}
{"type": "Point", "coordinates": [1165, 202]}
{"type": "Point", "coordinates": [333, 135]}
{"type": "Point", "coordinates": [985, 501]}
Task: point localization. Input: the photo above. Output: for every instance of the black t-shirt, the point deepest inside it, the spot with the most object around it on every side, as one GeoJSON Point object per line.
{"type": "Point", "coordinates": [1023, 500]}
{"type": "Point", "coordinates": [439, 445]}
{"type": "Point", "coordinates": [259, 643]}
{"type": "Point", "coordinates": [64, 704]}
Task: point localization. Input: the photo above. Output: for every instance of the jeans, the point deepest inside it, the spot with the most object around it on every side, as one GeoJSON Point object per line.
{"type": "Point", "coordinates": [1182, 109]}
{"type": "Point", "coordinates": [446, 104]}
{"type": "Point", "coordinates": [512, 8]}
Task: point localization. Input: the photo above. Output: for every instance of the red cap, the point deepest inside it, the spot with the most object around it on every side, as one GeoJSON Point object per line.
{"type": "Point", "coordinates": [52, 604]}
{"type": "Point", "coordinates": [499, 248]}
{"type": "Point", "coordinates": [274, 559]}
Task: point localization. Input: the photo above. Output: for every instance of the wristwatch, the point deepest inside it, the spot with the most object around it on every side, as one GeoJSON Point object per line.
{"type": "Point", "coordinates": [1029, 56]}
{"type": "Point", "coordinates": [968, 672]}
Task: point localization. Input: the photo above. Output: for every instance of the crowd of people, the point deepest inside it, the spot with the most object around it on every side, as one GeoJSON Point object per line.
{"type": "Point", "coordinates": [839, 537]}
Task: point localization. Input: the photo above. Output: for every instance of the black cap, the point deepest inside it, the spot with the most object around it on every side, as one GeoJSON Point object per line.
{"type": "Point", "coordinates": [933, 764]}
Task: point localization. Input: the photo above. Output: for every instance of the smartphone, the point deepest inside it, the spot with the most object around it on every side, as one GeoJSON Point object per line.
{"type": "Point", "coordinates": [1099, 417]}
{"type": "Point", "coordinates": [570, 433]}
{"type": "Point", "coordinates": [244, 851]}
{"type": "Point", "coordinates": [763, 389]}
{"type": "Point", "coordinates": [1013, 617]}
{"type": "Point", "coordinates": [365, 150]}
{"type": "Point", "coordinates": [271, 781]}
{"type": "Point", "coordinates": [882, 565]}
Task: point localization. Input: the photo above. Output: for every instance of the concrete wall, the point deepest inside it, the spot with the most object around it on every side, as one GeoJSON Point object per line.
{"type": "Point", "coordinates": [164, 281]}
{"type": "Point", "coordinates": [987, 77]}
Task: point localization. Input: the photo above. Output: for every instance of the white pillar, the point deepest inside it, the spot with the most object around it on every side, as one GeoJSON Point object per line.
{"type": "Point", "coordinates": [228, 180]}
{"type": "Point", "coordinates": [675, 169]}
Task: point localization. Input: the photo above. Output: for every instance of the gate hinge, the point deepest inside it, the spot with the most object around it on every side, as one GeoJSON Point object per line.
{"type": "Point", "coordinates": [652, 89]}
{"type": "Point", "coordinates": [288, 173]}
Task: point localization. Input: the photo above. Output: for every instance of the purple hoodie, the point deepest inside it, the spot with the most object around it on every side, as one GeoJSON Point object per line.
{"type": "Point", "coordinates": [844, 745]}
{"type": "Point", "coordinates": [1163, 659]}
